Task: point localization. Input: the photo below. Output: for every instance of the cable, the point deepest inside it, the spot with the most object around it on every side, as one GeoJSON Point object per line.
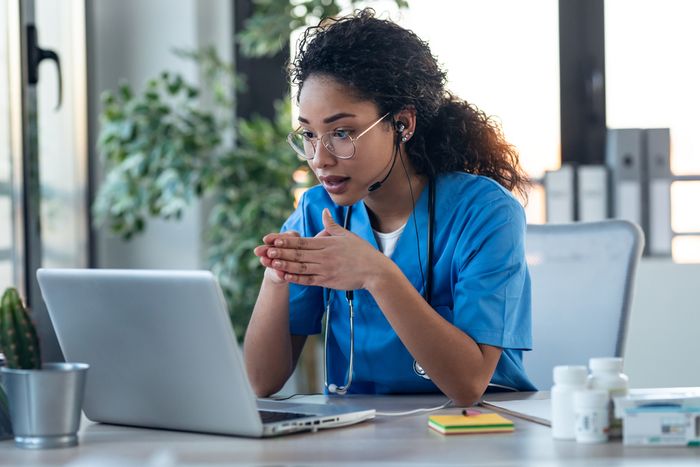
{"type": "Point", "coordinates": [414, 411]}
{"type": "Point", "coordinates": [273, 398]}
{"type": "Point", "coordinates": [415, 223]}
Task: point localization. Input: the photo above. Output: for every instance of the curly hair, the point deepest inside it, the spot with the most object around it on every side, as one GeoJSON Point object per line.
{"type": "Point", "coordinates": [382, 62]}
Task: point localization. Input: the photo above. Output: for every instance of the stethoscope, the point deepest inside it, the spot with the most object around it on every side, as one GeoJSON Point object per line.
{"type": "Point", "coordinates": [349, 295]}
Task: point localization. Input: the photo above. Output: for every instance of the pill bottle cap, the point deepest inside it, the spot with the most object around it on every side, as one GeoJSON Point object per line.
{"type": "Point", "coordinates": [605, 364]}
{"type": "Point", "coordinates": [574, 374]}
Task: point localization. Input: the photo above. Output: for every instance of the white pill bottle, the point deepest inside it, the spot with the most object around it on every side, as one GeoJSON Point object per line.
{"type": "Point", "coordinates": [606, 374]}
{"type": "Point", "coordinates": [591, 412]}
{"type": "Point", "coordinates": [567, 380]}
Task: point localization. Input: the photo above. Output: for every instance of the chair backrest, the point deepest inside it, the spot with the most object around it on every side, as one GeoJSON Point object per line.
{"type": "Point", "coordinates": [582, 278]}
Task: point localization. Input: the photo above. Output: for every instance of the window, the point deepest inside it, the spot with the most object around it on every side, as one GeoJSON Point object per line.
{"type": "Point", "coordinates": [6, 217]}
{"type": "Point", "coordinates": [652, 76]}
{"type": "Point", "coordinates": [502, 56]}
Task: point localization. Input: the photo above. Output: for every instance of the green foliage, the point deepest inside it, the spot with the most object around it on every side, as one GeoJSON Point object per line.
{"type": "Point", "coordinates": [255, 197]}
{"type": "Point", "coordinates": [162, 148]}
{"type": "Point", "coordinates": [267, 31]}
{"type": "Point", "coordinates": [18, 337]}
{"type": "Point", "coordinates": [159, 150]}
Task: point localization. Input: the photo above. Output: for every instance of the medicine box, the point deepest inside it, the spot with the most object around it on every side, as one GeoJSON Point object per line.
{"type": "Point", "coordinates": [662, 426]}
{"type": "Point", "coordinates": [659, 419]}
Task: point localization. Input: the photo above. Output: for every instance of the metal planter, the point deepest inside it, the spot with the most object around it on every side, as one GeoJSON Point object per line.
{"type": "Point", "coordinates": [45, 405]}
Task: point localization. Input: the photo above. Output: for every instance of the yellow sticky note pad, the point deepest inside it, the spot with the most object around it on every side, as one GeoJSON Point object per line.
{"type": "Point", "coordinates": [460, 424]}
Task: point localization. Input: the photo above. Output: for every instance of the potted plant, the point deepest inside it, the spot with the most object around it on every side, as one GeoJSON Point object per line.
{"type": "Point", "coordinates": [44, 401]}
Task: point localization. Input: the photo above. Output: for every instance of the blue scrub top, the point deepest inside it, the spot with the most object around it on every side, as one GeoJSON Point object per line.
{"type": "Point", "coordinates": [481, 284]}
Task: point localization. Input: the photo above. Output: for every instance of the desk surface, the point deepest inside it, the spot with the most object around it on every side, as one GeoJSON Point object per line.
{"type": "Point", "coordinates": [386, 441]}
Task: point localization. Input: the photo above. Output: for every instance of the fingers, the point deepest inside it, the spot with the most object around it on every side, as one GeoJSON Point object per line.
{"type": "Point", "coordinates": [287, 261]}
{"type": "Point", "coordinates": [296, 255]}
{"type": "Point", "coordinates": [269, 239]}
{"type": "Point", "coordinates": [303, 243]}
{"type": "Point", "coordinates": [295, 267]}
{"type": "Point", "coordinates": [298, 273]}
{"type": "Point", "coordinates": [261, 251]}
{"type": "Point", "coordinates": [302, 279]}
{"type": "Point", "coordinates": [289, 264]}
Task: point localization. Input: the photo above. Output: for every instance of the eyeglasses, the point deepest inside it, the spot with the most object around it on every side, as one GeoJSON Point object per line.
{"type": "Point", "coordinates": [337, 142]}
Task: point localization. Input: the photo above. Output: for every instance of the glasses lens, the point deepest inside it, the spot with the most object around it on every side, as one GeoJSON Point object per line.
{"type": "Point", "coordinates": [339, 144]}
{"type": "Point", "coordinates": [303, 147]}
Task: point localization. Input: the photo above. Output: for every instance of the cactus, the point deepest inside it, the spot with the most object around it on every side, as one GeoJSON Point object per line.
{"type": "Point", "coordinates": [18, 338]}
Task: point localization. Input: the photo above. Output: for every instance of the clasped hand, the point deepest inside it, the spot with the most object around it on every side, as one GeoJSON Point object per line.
{"type": "Point", "coordinates": [335, 258]}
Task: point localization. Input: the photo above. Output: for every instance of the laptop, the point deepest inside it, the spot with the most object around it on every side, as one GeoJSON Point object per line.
{"type": "Point", "coordinates": [163, 354]}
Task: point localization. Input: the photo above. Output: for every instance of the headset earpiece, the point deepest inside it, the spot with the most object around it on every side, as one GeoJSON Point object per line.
{"type": "Point", "coordinates": [400, 126]}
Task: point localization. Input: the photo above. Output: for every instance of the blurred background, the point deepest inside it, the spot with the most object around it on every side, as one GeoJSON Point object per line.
{"type": "Point", "coordinates": [150, 134]}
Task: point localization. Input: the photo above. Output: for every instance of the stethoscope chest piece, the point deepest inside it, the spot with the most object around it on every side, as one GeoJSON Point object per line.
{"type": "Point", "coordinates": [417, 369]}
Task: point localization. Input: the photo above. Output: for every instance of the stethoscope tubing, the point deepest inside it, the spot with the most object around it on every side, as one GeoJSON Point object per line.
{"type": "Point", "coordinates": [349, 295]}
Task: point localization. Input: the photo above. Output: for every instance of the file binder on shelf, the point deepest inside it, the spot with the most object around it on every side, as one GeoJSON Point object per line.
{"type": "Point", "coordinates": [624, 154]}
{"type": "Point", "coordinates": [560, 194]}
{"type": "Point", "coordinates": [658, 145]}
{"type": "Point", "coordinates": [592, 193]}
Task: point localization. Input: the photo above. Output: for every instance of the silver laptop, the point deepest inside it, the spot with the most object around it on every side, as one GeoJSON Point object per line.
{"type": "Point", "coordinates": [163, 354]}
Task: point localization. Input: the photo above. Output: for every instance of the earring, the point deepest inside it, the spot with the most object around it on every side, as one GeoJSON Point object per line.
{"type": "Point", "coordinates": [406, 137]}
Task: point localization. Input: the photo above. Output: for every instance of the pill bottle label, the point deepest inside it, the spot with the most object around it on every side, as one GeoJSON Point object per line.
{"type": "Point", "coordinates": [592, 425]}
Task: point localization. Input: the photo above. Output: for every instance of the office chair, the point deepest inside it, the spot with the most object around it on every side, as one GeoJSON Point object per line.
{"type": "Point", "coordinates": [582, 278]}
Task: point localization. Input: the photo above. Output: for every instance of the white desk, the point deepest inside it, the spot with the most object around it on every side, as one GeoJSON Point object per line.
{"type": "Point", "coordinates": [384, 441]}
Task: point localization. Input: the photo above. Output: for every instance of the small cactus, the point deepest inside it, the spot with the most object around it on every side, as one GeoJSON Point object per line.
{"type": "Point", "coordinates": [18, 338]}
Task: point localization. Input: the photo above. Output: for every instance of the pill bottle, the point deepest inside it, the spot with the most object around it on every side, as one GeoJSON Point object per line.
{"type": "Point", "coordinates": [567, 380]}
{"type": "Point", "coordinates": [591, 413]}
{"type": "Point", "coordinates": [606, 374]}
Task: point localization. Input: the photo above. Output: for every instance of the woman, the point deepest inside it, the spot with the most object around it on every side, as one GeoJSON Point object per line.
{"type": "Point", "coordinates": [389, 144]}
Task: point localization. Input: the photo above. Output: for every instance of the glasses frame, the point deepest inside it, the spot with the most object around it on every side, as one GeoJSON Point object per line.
{"type": "Point", "coordinates": [302, 154]}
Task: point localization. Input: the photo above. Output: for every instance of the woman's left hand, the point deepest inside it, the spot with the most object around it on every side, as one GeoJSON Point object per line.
{"type": "Point", "coordinates": [335, 259]}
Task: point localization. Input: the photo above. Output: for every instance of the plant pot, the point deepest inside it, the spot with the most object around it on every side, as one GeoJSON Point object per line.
{"type": "Point", "coordinates": [5, 426]}
{"type": "Point", "coordinates": [45, 404]}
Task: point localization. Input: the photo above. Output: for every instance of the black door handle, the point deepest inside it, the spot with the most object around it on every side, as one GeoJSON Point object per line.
{"type": "Point", "coordinates": [35, 55]}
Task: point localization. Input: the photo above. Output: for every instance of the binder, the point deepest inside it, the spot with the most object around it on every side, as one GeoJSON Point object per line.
{"type": "Point", "coordinates": [592, 193]}
{"type": "Point", "coordinates": [625, 159]}
{"type": "Point", "coordinates": [559, 194]}
{"type": "Point", "coordinates": [658, 158]}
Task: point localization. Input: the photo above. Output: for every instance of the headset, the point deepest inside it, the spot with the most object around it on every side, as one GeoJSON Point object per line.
{"type": "Point", "coordinates": [399, 127]}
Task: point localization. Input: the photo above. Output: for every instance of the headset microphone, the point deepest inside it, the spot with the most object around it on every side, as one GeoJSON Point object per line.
{"type": "Point", "coordinates": [400, 126]}
{"type": "Point", "coordinates": [376, 185]}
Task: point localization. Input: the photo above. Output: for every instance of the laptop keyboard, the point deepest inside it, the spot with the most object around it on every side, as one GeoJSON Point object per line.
{"type": "Point", "coordinates": [269, 416]}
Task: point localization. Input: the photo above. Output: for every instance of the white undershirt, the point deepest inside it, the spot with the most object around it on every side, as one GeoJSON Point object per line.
{"type": "Point", "coordinates": [387, 241]}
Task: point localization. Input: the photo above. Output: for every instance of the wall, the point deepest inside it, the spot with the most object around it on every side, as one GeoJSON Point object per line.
{"type": "Point", "coordinates": [132, 40]}
{"type": "Point", "coordinates": [662, 340]}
